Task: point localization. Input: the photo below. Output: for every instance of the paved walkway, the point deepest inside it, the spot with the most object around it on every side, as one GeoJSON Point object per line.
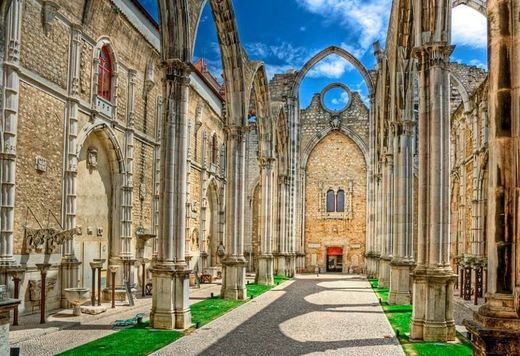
{"type": "Point", "coordinates": [64, 331]}
{"type": "Point", "coordinates": [329, 315]}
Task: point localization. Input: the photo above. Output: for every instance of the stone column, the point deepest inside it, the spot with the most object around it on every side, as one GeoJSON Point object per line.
{"type": "Point", "coordinates": [282, 247]}
{"type": "Point", "coordinates": [292, 197]}
{"type": "Point", "coordinates": [433, 278]}
{"type": "Point", "coordinates": [170, 302]}
{"type": "Point", "coordinates": [387, 213]}
{"type": "Point", "coordinates": [371, 254]}
{"type": "Point", "coordinates": [402, 258]}
{"type": "Point", "coordinates": [496, 329]}
{"type": "Point", "coordinates": [234, 263]}
{"type": "Point", "coordinates": [265, 260]}
{"type": "Point", "coordinates": [379, 221]}
{"type": "Point", "coordinates": [157, 178]}
{"type": "Point", "coordinates": [9, 130]}
{"type": "Point", "coordinates": [69, 262]}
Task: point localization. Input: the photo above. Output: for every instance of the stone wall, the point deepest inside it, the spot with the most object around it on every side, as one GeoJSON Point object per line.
{"type": "Point", "coordinates": [333, 148]}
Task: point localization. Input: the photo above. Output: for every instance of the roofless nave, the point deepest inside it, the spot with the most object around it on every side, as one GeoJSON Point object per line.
{"type": "Point", "coordinates": [146, 164]}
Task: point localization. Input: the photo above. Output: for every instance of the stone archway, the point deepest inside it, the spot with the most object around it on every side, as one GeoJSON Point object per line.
{"type": "Point", "coordinates": [97, 204]}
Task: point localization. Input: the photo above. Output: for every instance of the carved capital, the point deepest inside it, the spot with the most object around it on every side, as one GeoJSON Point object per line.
{"type": "Point", "coordinates": [176, 70]}
{"type": "Point", "coordinates": [433, 55]}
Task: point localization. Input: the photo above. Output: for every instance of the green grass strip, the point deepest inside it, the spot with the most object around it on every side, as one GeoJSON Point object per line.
{"type": "Point", "coordinates": [142, 340]}
{"type": "Point", "coordinates": [135, 341]}
{"type": "Point", "coordinates": [207, 310]}
{"type": "Point", "coordinates": [400, 317]}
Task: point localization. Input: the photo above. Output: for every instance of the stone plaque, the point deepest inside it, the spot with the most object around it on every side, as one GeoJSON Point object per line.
{"type": "Point", "coordinates": [355, 246]}
{"type": "Point", "coordinates": [41, 164]}
{"type": "Point", "coordinates": [313, 245]}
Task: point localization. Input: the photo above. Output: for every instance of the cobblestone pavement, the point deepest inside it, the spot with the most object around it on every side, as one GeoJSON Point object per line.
{"type": "Point", "coordinates": [329, 315]}
{"type": "Point", "coordinates": [64, 331]}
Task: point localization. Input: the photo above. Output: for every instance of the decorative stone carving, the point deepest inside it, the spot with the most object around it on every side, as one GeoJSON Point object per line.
{"type": "Point", "coordinates": [41, 164]}
{"type": "Point", "coordinates": [35, 288]}
{"type": "Point", "coordinates": [47, 240]}
{"type": "Point", "coordinates": [99, 231]}
{"type": "Point", "coordinates": [92, 158]}
{"type": "Point", "coordinates": [142, 191]}
{"type": "Point", "coordinates": [335, 122]}
{"type": "Point", "coordinates": [49, 11]}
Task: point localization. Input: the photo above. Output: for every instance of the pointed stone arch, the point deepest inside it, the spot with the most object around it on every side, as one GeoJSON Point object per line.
{"type": "Point", "coordinates": [478, 5]}
{"type": "Point", "coordinates": [358, 140]}
{"type": "Point", "coordinates": [110, 136]}
{"type": "Point", "coordinates": [349, 57]}
{"type": "Point", "coordinates": [259, 85]}
{"type": "Point", "coordinates": [457, 83]}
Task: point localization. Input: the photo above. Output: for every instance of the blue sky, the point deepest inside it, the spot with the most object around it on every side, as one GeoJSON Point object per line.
{"type": "Point", "coordinates": [286, 33]}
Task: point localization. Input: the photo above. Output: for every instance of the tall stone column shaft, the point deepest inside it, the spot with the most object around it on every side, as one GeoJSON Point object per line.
{"type": "Point", "coordinates": [170, 303]}
{"type": "Point", "coordinates": [69, 262]}
{"type": "Point", "coordinates": [128, 181]}
{"type": "Point", "coordinates": [282, 247]}
{"type": "Point", "coordinates": [265, 260]}
{"type": "Point", "coordinates": [496, 329]}
{"type": "Point", "coordinates": [387, 216]}
{"type": "Point", "coordinates": [402, 258]}
{"type": "Point", "coordinates": [234, 263]}
{"type": "Point", "coordinates": [9, 130]}
{"type": "Point", "coordinates": [433, 279]}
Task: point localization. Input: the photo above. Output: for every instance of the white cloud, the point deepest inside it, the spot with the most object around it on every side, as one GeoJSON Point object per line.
{"type": "Point", "coordinates": [332, 66]}
{"type": "Point", "coordinates": [367, 18]}
{"type": "Point", "coordinates": [469, 27]}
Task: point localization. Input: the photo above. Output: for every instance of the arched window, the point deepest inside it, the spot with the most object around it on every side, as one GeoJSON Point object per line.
{"type": "Point", "coordinates": [105, 74]}
{"type": "Point", "coordinates": [331, 201]}
{"type": "Point", "coordinates": [214, 149]}
{"type": "Point", "coordinates": [340, 201]}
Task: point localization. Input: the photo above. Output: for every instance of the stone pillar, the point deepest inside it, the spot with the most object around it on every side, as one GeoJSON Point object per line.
{"type": "Point", "coordinates": [265, 260]}
{"type": "Point", "coordinates": [387, 213]}
{"type": "Point", "coordinates": [6, 305]}
{"type": "Point", "coordinates": [9, 130]}
{"type": "Point", "coordinates": [234, 263]}
{"type": "Point", "coordinates": [402, 258]}
{"type": "Point", "coordinates": [282, 235]}
{"type": "Point", "coordinates": [157, 179]}
{"type": "Point", "coordinates": [69, 262]}
{"type": "Point", "coordinates": [433, 278]}
{"type": "Point", "coordinates": [170, 301]}
{"type": "Point", "coordinates": [496, 327]}
{"type": "Point", "coordinates": [292, 196]}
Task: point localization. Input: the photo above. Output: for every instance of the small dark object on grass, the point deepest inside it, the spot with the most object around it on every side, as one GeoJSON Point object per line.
{"type": "Point", "coordinates": [197, 325]}
{"type": "Point", "coordinates": [380, 301]}
{"type": "Point", "coordinates": [397, 332]}
{"type": "Point", "coordinates": [247, 282]}
{"type": "Point", "coordinates": [277, 283]}
{"type": "Point", "coordinates": [252, 296]}
{"type": "Point", "coordinates": [211, 294]}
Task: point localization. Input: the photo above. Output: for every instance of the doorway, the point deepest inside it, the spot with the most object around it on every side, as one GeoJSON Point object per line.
{"type": "Point", "coordinates": [334, 259]}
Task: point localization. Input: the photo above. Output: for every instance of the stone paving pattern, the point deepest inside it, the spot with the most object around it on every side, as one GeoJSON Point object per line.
{"type": "Point", "coordinates": [332, 315]}
{"type": "Point", "coordinates": [64, 331]}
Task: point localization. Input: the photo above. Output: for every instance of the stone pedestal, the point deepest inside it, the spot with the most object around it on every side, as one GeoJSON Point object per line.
{"type": "Point", "coordinates": [234, 280]}
{"type": "Point", "coordinates": [432, 318]}
{"type": "Point", "coordinates": [371, 259]}
{"type": "Point", "coordinates": [5, 308]}
{"type": "Point", "coordinates": [384, 272]}
{"type": "Point", "coordinates": [281, 269]}
{"type": "Point", "coordinates": [500, 337]}
{"type": "Point", "coordinates": [170, 297]}
{"type": "Point", "coordinates": [399, 283]}
{"type": "Point", "coordinates": [69, 278]}
{"type": "Point", "coordinates": [265, 270]}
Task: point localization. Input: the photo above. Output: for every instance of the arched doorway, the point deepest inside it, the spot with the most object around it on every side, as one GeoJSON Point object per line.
{"type": "Point", "coordinates": [97, 202]}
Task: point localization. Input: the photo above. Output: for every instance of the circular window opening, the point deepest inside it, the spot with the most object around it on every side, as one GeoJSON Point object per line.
{"type": "Point", "coordinates": [335, 98]}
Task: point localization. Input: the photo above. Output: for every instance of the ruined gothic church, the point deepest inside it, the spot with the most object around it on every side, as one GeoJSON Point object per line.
{"type": "Point", "coordinates": [154, 166]}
